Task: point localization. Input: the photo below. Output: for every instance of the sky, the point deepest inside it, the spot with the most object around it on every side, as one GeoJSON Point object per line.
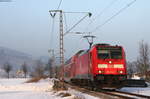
{"type": "Point", "coordinates": [26, 25]}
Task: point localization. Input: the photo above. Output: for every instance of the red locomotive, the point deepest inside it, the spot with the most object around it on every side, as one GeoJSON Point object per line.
{"type": "Point", "coordinates": [102, 66]}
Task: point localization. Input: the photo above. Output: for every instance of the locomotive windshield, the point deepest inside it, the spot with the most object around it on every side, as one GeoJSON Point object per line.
{"type": "Point", "coordinates": [109, 53]}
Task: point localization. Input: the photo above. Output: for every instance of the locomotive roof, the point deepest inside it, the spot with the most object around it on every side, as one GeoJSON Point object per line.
{"type": "Point", "coordinates": [102, 44]}
{"type": "Point", "coordinates": [81, 52]}
{"type": "Point", "coordinates": [105, 44]}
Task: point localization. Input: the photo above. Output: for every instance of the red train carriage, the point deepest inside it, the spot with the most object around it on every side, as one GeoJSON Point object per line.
{"type": "Point", "coordinates": [103, 66]}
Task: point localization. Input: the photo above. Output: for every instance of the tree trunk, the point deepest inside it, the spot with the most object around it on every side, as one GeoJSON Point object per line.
{"type": "Point", "coordinates": [25, 75]}
{"type": "Point", "coordinates": [8, 75]}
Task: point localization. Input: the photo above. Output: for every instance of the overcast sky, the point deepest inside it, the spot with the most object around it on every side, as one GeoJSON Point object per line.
{"type": "Point", "coordinates": [26, 25]}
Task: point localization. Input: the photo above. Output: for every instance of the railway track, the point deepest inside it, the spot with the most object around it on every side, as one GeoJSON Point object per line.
{"type": "Point", "coordinates": [126, 95]}
{"type": "Point", "coordinates": [109, 94]}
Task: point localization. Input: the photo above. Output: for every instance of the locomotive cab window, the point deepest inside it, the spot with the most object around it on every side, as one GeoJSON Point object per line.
{"type": "Point", "coordinates": [103, 54]}
{"type": "Point", "coordinates": [109, 53]}
{"type": "Point", "coordinates": [116, 54]}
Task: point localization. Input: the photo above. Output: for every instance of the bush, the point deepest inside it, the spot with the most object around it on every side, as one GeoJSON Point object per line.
{"type": "Point", "coordinates": [59, 86]}
{"type": "Point", "coordinates": [64, 94]}
{"type": "Point", "coordinates": [35, 79]}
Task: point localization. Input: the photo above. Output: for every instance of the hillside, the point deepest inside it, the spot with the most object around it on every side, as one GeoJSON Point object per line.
{"type": "Point", "coordinates": [15, 58]}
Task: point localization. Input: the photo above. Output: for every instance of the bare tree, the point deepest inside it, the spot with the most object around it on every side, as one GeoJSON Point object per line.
{"type": "Point", "coordinates": [131, 68]}
{"type": "Point", "coordinates": [7, 67]}
{"type": "Point", "coordinates": [49, 67]}
{"type": "Point", "coordinates": [24, 69]}
{"type": "Point", "coordinates": [39, 69]}
{"type": "Point", "coordinates": [143, 63]}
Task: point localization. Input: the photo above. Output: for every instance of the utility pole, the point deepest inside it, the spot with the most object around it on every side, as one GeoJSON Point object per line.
{"type": "Point", "coordinates": [61, 43]}
{"type": "Point", "coordinates": [61, 38]}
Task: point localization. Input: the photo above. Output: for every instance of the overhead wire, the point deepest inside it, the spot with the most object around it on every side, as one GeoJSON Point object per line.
{"type": "Point", "coordinates": [65, 19]}
{"type": "Point", "coordinates": [59, 4]}
{"type": "Point", "coordinates": [103, 11]}
{"type": "Point", "coordinates": [89, 14]}
{"type": "Point", "coordinates": [68, 30]}
{"type": "Point", "coordinates": [109, 19]}
{"type": "Point", "coordinates": [52, 33]}
{"type": "Point", "coordinates": [77, 46]}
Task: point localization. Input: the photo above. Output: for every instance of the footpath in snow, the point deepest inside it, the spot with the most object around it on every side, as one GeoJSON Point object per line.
{"type": "Point", "coordinates": [17, 88]}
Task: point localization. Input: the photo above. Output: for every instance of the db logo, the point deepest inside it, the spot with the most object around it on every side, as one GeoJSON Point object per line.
{"type": "Point", "coordinates": [111, 66]}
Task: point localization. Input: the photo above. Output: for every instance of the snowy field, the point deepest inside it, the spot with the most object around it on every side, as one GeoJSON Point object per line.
{"type": "Point", "coordinates": [16, 88]}
{"type": "Point", "coordinates": [138, 90]}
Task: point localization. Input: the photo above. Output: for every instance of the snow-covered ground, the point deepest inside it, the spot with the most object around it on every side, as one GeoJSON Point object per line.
{"type": "Point", "coordinates": [138, 90]}
{"type": "Point", "coordinates": [16, 88]}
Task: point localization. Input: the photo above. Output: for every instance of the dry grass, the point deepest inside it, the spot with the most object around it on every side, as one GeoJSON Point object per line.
{"type": "Point", "coordinates": [64, 94]}
{"type": "Point", "coordinates": [58, 86]}
{"type": "Point", "coordinates": [35, 79]}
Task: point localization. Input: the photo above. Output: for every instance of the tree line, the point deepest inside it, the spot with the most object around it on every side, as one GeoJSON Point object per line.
{"type": "Point", "coordinates": [7, 67]}
{"type": "Point", "coordinates": [39, 69]}
{"type": "Point", "coordinates": [141, 65]}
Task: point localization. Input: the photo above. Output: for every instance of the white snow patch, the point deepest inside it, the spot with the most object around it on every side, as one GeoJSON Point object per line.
{"type": "Point", "coordinates": [16, 88]}
{"type": "Point", "coordinates": [74, 94]}
{"type": "Point", "coordinates": [19, 85]}
{"type": "Point", "coordinates": [136, 77]}
{"type": "Point", "coordinates": [138, 90]}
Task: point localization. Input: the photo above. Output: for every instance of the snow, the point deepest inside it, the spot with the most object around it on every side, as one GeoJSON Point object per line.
{"type": "Point", "coordinates": [137, 90]}
{"type": "Point", "coordinates": [136, 77]}
{"type": "Point", "coordinates": [17, 88]}
{"type": "Point", "coordinates": [14, 88]}
{"type": "Point", "coordinates": [77, 94]}
{"type": "Point", "coordinates": [19, 85]}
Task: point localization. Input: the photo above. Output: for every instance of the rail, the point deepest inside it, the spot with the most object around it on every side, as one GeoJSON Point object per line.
{"type": "Point", "coordinates": [131, 95]}
{"type": "Point", "coordinates": [109, 94]}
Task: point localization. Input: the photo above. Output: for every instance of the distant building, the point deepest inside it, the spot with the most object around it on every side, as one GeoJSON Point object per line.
{"type": "Point", "coordinates": [141, 76]}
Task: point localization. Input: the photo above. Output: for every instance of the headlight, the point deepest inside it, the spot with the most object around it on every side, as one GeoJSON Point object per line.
{"type": "Point", "coordinates": [102, 66]}
{"type": "Point", "coordinates": [99, 71]}
{"type": "Point", "coordinates": [120, 72]}
{"type": "Point", "coordinates": [118, 66]}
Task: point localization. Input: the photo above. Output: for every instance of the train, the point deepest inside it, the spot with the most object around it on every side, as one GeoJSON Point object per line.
{"type": "Point", "coordinates": [101, 66]}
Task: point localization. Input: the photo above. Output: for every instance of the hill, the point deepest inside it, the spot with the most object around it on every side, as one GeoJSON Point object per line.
{"type": "Point", "coordinates": [14, 57]}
